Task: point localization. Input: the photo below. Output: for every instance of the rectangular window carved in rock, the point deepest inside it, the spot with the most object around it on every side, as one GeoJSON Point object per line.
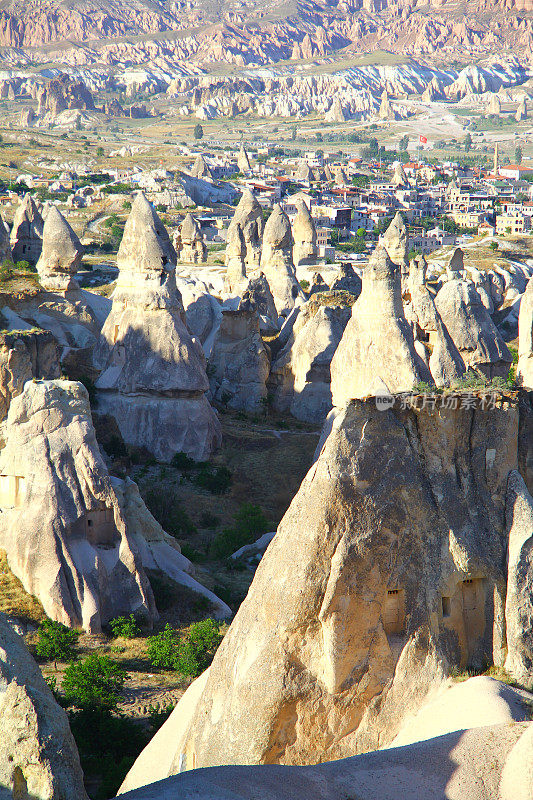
{"type": "Point", "coordinates": [394, 611]}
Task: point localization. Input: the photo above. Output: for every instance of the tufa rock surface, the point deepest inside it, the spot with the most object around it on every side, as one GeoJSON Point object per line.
{"type": "Point", "coordinates": [277, 261]}
{"type": "Point", "coordinates": [27, 232]}
{"type": "Point", "coordinates": [61, 525]}
{"type": "Point", "coordinates": [525, 338]}
{"type": "Point", "coordinates": [153, 379]}
{"type": "Point", "coordinates": [472, 330]}
{"type": "Point", "coordinates": [239, 362]}
{"type": "Point", "coordinates": [386, 574]}
{"type": "Point", "coordinates": [38, 755]}
{"type": "Point", "coordinates": [376, 353]}
{"type": "Point", "coordinates": [60, 255]}
{"type": "Point", "coordinates": [304, 235]}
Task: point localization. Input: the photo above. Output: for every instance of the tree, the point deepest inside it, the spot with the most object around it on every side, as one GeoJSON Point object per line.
{"type": "Point", "coordinates": [94, 683]}
{"type": "Point", "coordinates": [404, 142]}
{"type": "Point", "coordinates": [468, 143]}
{"type": "Point", "coordinates": [360, 232]}
{"type": "Point", "coordinates": [163, 647]}
{"type": "Point", "coordinates": [99, 152]}
{"type": "Point", "coordinates": [196, 651]}
{"type": "Point", "coordinates": [319, 137]}
{"type": "Point", "coordinates": [126, 627]}
{"type": "Point", "coordinates": [55, 642]}
{"type": "Point", "coordinates": [293, 132]}
{"type": "Point", "coordinates": [518, 154]}
{"type": "Point", "coordinates": [198, 131]}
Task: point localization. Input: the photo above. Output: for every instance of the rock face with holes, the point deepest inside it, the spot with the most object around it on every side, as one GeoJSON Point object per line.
{"type": "Point", "coordinates": [61, 524]}
{"type": "Point", "coordinates": [472, 330]}
{"type": "Point", "coordinates": [386, 573]}
{"type": "Point", "coordinates": [25, 355]}
{"type": "Point", "coordinates": [38, 755]}
{"type": "Point", "coordinates": [27, 232]}
{"type": "Point", "coordinates": [239, 362]}
{"type": "Point", "coordinates": [377, 353]}
{"type": "Point", "coordinates": [525, 338]}
{"type": "Point", "coordinates": [153, 378]}
{"type": "Point", "coordinates": [60, 255]}
{"type": "Point", "coordinates": [277, 262]}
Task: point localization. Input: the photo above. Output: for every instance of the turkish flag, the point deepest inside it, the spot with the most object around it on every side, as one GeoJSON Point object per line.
{"type": "Point", "coordinates": [423, 139]}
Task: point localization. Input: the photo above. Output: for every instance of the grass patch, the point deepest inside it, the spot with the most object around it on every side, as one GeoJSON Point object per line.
{"type": "Point", "coordinates": [14, 599]}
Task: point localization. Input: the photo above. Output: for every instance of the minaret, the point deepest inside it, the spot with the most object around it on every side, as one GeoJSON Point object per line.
{"type": "Point", "coordinates": [496, 154]}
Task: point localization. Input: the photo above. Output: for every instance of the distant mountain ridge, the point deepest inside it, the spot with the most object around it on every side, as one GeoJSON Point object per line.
{"type": "Point", "coordinates": [252, 32]}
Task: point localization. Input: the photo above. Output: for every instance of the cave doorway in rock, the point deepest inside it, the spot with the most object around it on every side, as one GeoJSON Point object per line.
{"type": "Point", "coordinates": [394, 611]}
{"type": "Point", "coordinates": [473, 611]}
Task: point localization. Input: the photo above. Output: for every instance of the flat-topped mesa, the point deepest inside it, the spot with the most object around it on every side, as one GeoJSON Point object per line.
{"type": "Point", "coordinates": [235, 278]}
{"type": "Point", "coordinates": [61, 254]}
{"type": "Point", "coordinates": [61, 525]}
{"type": "Point", "coordinates": [439, 352]}
{"type": "Point", "coordinates": [277, 263]}
{"type": "Point", "coordinates": [27, 232]}
{"type": "Point", "coordinates": [472, 330]}
{"type": "Point", "coordinates": [376, 353]}
{"type": "Point", "coordinates": [153, 379]}
{"type": "Point", "coordinates": [192, 248]}
{"type": "Point", "coordinates": [146, 260]}
{"type": "Point", "coordinates": [524, 370]}
{"type": "Point", "coordinates": [304, 235]}
{"type": "Point", "coordinates": [239, 361]}
{"type": "Point", "coordinates": [249, 217]}
{"type": "Point", "coordinates": [395, 240]}
{"type": "Point", "coordinates": [243, 161]}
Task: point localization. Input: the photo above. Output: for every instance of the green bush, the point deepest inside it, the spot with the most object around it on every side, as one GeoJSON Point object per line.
{"type": "Point", "coordinates": [55, 642]}
{"type": "Point", "coordinates": [108, 745]}
{"type": "Point", "coordinates": [94, 684]}
{"type": "Point", "coordinates": [183, 461]}
{"type": "Point", "coordinates": [25, 266]}
{"type": "Point", "coordinates": [170, 515]}
{"type": "Point", "coordinates": [216, 480]}
{"type": "Point", "coordinates": [115, 447]}
{"type": "Point", "coordinates": [249, 524]}
{"type": "Point", "coordinates": [163, 648]}
{"type": "Point", "coordinates": [126, 627]}
{"type": "Point", "coordinates": [196, 651]}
